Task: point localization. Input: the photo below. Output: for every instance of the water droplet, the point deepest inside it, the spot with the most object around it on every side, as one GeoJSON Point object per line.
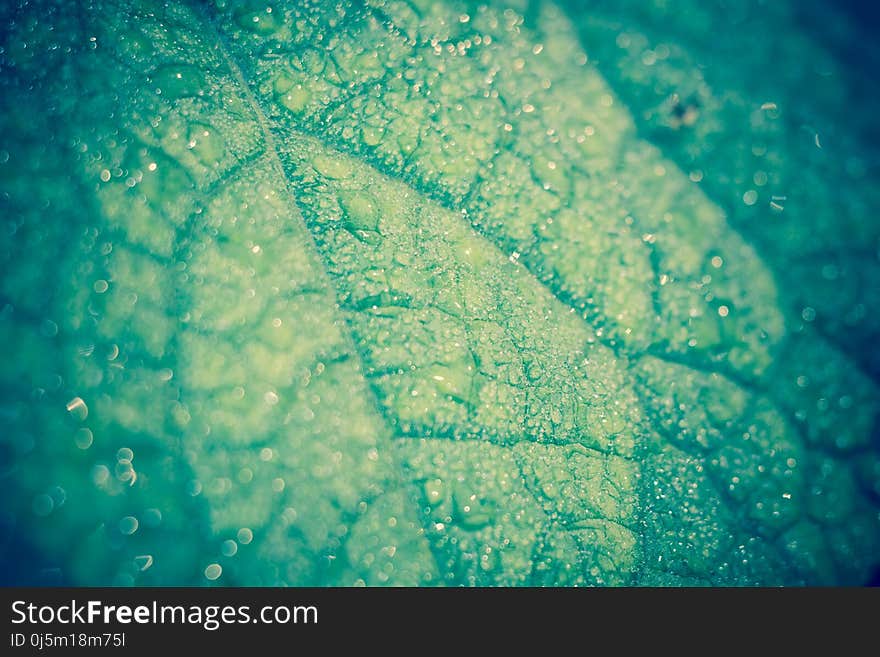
{"type": "Point", "coordinates": [58, 495]}
{"type": "Point", "coordinates": [124, 471]}
{"type": "Point", "coordinates": [213, 571]}
{"type": "Point", "coordinates": [100, 475]}
{"type": "Point", "coordinates": [77, 408]}
{"type": "Point", "coordinates": [128, 525]}
{"type": "Point", "coordinates": [143, 561]}
{"type": "Point", "coordinates": [49, 328]}
{"type": "Point", "coordinates": [229, 548]}
{"type": "Point", "coordinates": [245, 536]}
{"type": "Point", "coordinates": [151, 517]}
{"type": "Point", "coordinates": [83, 438]}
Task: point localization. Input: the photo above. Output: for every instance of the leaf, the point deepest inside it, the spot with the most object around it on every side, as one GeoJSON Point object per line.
{"type": "Point", "coordinates": [310, 293]}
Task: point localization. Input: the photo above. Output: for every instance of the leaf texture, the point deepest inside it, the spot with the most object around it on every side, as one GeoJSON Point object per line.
{"type": "Point", "coordinates": [407, 293]}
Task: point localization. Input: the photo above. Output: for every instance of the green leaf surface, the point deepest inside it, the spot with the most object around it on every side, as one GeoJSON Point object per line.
{"type": "Point", "coordinates": [435, 293]}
